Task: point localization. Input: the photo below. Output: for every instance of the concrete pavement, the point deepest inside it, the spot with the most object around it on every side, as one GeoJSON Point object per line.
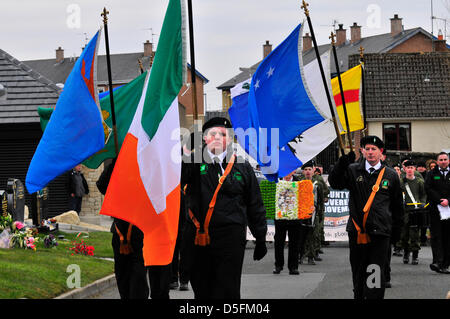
{"type": "Point", "coordinates": [329, 279]}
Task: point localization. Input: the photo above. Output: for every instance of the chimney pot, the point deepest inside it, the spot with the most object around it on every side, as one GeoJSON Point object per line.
{"type": "Point", "coordinates": [267, 48]}
{"type": "Point", "coordinates": [148, 48]}
{"type": "Point", "coordinates": [341, 35]}
{"type": "Point", "coordinates": [396, 25]}
{"type": "Point", "coordinates": [59, 55]}
{"type": "Point", "coordinates": [307, 42]}
{"type": "Point", "coordinates": [355, 33]}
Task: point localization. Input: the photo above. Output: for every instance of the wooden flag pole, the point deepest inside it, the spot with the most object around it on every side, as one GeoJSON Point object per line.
{"type": "Point", "coordinates": [363, 69]}
{"type": "Point", "coordinates": [341, 91]}
{"type": "Point", "coordinates": [108, 63]}
{"type": "Point", "coordinates": [333, 115]}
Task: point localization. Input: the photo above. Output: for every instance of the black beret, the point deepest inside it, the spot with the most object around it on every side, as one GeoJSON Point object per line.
{"type": "Point", "coordinates": [421, 164]}
{"type": "Point", "coordinates": [373, 140]}
{"type": "Point", "coordinates": [308, 164]}
{"type": "Point", "coordinates": [409, 163]}
{"type": "Point", "coordinates": [217, 122]}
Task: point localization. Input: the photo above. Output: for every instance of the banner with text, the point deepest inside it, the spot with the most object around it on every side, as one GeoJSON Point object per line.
{"type": "Point", "coordinates": [336, 215]}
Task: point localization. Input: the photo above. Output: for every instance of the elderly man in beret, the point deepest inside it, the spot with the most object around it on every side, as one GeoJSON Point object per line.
{"type": "Point", "coordinates": [376, 215]}
{"type": "Point", "coordinates": [223, 198]}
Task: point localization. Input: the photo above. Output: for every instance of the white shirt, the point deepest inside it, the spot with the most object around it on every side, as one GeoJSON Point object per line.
{"type": "Point", "coordinates": [219, 156]}
{"type": "Point", "coordinates": [368, 166]}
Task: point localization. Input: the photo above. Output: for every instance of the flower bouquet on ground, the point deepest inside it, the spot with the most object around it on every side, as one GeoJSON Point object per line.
{"type": "Point", "coordinates": [81, 248]}
{"type": "Point", "coordinates": [50, 241]}
{"type": "Point", "coordinates": [16, 232]}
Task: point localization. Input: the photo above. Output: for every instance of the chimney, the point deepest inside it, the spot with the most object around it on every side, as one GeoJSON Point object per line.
{"type": "Point", "coordinates": [341, 35]}
{"type": "Point", "coordinates": [267, 48]}
{"type": "Point", "coordinates": [355, 33]}
{"type": "Point", "coordinates": [440, 35]}
{"type": "Point", "coordinates": [148, 48]}
{"type": "Point", "coordinates": [59, 55]}
{"type": "Point", "coordinates": [307, 42]}
{"type": "Point", "coordinates": [396, 25]}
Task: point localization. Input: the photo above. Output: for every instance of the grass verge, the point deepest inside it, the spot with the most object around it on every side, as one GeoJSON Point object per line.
{"type": "Point", "coordinates": [43, 273]}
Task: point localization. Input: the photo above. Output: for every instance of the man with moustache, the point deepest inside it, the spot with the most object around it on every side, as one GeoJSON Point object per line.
{"type": "Point", "coordinates": [376, 215]}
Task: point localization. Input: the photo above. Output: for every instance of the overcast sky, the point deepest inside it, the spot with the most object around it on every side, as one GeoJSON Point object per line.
{"type": "Point", "coordinates": [228, 33]}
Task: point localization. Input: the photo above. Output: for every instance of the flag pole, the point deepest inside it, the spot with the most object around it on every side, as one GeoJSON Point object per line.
{"type": "Point", "coordinates": [341, 91]}
{"type": "Point", "coordinates": [363, 69]}
{"type": "Point", "coordinates": [305, 8]}
{"type": "Point", "coordinates": [191, 45]}
{"type": "Point", "coordinates": [108, 63]}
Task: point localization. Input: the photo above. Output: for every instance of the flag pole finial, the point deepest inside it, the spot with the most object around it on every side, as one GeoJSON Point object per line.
{"type": "Point", "coordinates": [305, 7]}
{"type": "Point", "coordinates": [361, 53]}
{"type": "Point", "coordinates": [332, 36]}
{"type": "Point", "coordinates": [104, 14]}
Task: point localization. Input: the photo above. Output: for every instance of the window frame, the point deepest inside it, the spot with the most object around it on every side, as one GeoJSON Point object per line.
{"type": "Point", "coordinates": [397, 132]}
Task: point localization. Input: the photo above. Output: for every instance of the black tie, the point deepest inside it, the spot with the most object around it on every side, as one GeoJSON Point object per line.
{"type": "Point", "coordinates": [371, 170]}
{"type": "Point", "coordinates": [216, 161]}
{"type": "Point", "coordinates": [443, 171]}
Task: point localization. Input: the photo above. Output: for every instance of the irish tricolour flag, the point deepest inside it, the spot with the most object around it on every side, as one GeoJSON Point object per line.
{"type": "Point", "coordinates": [145, 185]}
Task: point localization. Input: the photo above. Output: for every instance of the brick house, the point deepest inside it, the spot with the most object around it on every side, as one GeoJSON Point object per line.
{"type": "Point", "coordinates": [397, 41]}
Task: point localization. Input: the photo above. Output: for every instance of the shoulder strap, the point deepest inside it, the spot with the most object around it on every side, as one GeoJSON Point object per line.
{"type": "Point", "coordinates": [408, 190]}
{"type": "Point", "coordinates": [363, 237]}
{"type": "Point", "coordinates": [202, 239]}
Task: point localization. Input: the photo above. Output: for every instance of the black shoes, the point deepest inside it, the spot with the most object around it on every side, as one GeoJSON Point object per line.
{"type": "Point", "coordinates": [415, 258]}
{"type": "Point", "coordinates": [397, 252]}
{"type": "Point", "coordinates": [277, 270]}
{"type": "Point", "coordinates": [439, 269]}
{"type": "Point", "coordinates": [173, 285]}
{"type": "Point", "coordinates": [311, 261]}
{"type": "Point", "coordinates": [406, 258]}
{"type": "Point", "coordinates": [184, 286]}
{"type": "Point", "coordinates": [294, 272]}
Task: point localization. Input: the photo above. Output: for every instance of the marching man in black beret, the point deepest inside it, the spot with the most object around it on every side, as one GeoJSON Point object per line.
{"type": "Point", "coordinates": [376, 215]}
{"type": "Point", "coordinates": [223, 197]}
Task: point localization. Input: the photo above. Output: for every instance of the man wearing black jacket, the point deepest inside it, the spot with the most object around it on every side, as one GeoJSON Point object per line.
{"type": "Point", "coordinates": [437, 186]}
{"type": "Point", "coordinates": [217, 265]}
{"type": "Point", "coordinates": [78, 187]}
{"type": "Point", "coordinates": [369, 237]}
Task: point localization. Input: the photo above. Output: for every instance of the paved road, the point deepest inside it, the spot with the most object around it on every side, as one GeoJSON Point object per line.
{"type": "Point", "coordinates": [329, 279]}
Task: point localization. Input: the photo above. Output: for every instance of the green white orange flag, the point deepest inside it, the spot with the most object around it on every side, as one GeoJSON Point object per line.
{"type": "Point", "coordinates": [351, 83]}
{"type": "Point", "coordinates": [145, 185]}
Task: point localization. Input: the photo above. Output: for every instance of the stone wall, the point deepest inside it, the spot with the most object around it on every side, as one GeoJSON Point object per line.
{"type": "Point", "coordinates": [93, 202]}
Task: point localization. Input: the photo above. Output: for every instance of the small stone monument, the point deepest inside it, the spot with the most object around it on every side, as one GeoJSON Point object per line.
{"type": "Point", "coordinates": [15, 193]}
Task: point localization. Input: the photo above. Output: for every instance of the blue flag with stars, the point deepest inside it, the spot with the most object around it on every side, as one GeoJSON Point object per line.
{"type": "Point", "coordinates": [280, 107]}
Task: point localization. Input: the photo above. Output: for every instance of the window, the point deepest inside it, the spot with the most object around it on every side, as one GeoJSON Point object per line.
{"type": "Point", "coordinates": [397, 136]}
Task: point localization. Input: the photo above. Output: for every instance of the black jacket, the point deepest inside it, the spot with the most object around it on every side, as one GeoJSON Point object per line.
{"type": "Point", "coordinates": [239, 200]}
{"type": "Point", "coordinates": [437, 187]}
{"type": "Point", "coordinates": [386, 213]}
{"type": "Point", "coordinates": [71, 183]}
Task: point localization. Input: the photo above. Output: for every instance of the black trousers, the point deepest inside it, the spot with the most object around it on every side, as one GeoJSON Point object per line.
{"type": "Point", "coordinates": [292, 229]}
{"type": "Point", "coordinates": [186, 256]}
{"type": "Point", "coordinates": [369, 260]}
{"type": "Point", "coordinates": [304, 231]}
{"type": "Point", "coordinates": [217, 268]}
{"type": "Point", "coordinates": [440, 239]}
{"type": "Point", "coordinates": [75, 204]}
{"type": "Point", "coordinates": [130, 272]}
{"type": "Point", "coordinates": [159, 278]}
